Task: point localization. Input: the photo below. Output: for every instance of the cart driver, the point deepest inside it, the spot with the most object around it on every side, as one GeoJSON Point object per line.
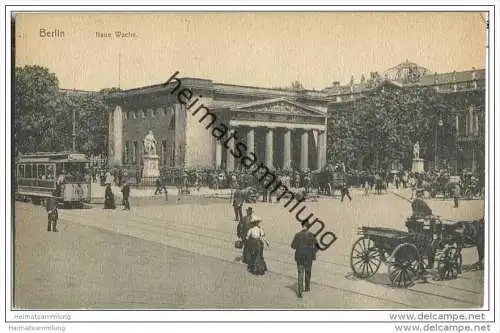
{"type": "Point", "coordinates": [421, 212]}
{"type": "Point", "coordinates": [419, 207]}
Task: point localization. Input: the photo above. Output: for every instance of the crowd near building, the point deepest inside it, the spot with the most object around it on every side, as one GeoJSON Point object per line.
{"type": "Point", "coordinates": [286, 128]}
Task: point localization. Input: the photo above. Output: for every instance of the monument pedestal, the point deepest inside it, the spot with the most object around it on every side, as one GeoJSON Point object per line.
{"type": "Point", "coordinates": [151, 169]}
{"type": "Point", "coordinates": [417, 165]}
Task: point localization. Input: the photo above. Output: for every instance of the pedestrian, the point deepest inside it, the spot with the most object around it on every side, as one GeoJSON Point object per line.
{"type": "Point", "coordinates": [52, 214]}
{"type": "Point", "coordinates": [305, 245]}
{"type": "Point", "coordinates": [344, 191]}
{"type": "Point", "coordinates": [158, 186]}
{"type": "Point", "coordinates": [242, 231]}
{"type": "Point", "coordinates": [109, 198]}
{"type": "Point", "coordinates": [238, 199]}
{"type": "Point", "coordinates": [456, 194]}
{"type": "Point", "coordinates": [256, 239]}
{"type": "Point", "coordinates": [126, 194]}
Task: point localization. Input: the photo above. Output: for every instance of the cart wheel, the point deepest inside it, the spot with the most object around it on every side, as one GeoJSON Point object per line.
{"type": "Point", "coordinates": [450, 264]}
{"type": "Point", "coordinates": [404, 265]}
{"type": "Point", "coordinates": [365, 258]}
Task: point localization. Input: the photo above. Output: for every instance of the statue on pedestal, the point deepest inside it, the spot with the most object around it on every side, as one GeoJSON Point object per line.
{"type": "Point", "coordinates": [416, 151]}
{"type": "Point", "coordinates": [150, 144]}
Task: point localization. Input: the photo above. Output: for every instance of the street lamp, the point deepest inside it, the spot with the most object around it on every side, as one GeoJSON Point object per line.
{"type": "Point", "coordinates": [438, 124]}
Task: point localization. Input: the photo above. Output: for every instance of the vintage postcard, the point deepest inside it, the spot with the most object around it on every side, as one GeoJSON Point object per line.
{"type": "Point", "coordinates": [233, 160]}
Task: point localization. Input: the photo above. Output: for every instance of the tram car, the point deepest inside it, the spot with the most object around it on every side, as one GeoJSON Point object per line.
{"type": "Point", "coordinates": [63, 175]}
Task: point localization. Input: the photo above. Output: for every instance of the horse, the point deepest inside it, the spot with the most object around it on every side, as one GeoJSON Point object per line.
{"type": "Point", "coordinates": [466, 234]}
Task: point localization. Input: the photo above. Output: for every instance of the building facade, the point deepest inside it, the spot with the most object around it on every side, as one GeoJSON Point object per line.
{"type": "Point", "coordinates": [285, 128]}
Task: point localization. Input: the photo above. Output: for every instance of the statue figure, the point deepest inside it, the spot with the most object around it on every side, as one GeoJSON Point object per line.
{"type": "Point", "coordinates": [416, 150]}
{"type": "Point", "coordinates": [150, 144]}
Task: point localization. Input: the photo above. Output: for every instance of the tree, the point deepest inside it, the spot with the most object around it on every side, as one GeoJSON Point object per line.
{"type": "Point", "coordinates": [383, 126]}
{"type": "Point", "coordinates": [43, 114]}
{"type": "Point", "coordinates": [35, 100]}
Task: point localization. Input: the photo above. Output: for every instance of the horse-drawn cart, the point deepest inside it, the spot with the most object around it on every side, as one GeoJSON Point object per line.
{"type": "Point", "coordinates": [407, 254]}
{"type": "Point", "coordinates": [390, 246]}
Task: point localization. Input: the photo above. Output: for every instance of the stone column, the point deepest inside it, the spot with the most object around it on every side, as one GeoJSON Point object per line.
{"type": "Point", "coordinates": [321, 143]}
{"type": "Point", "coordinates": [229, 156]}
{"type": "Point", "coordinates": [117, 135]}
{"type": "Point", "coordinates": [287, 149]}
{"type": "Point", "coordinates": [471, 121]}
{"type": "Point", "coordinates": [304, 150]}
{"type": "Point", "coordinates": [269, 148]}
{"type": "Point", "coordinates": [251, 140]}
{"type": "Point", "coordinates": [218, 153]}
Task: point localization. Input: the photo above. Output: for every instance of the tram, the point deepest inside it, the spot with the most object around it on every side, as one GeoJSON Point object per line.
{"type": "Point", "coordinates": [60, 174]}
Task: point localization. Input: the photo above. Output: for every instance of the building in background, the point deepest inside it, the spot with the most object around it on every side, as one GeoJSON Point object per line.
{"type": "Point", "coordinates": [286, 128]}
{"type": "Point", "coordinates": [463, 93]}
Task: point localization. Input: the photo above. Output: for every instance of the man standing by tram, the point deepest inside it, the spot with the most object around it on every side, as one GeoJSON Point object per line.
{"type": "Point", "coordinates": [52, 215]}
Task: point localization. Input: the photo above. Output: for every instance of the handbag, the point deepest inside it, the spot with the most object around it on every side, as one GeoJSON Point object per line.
{"type": "Point", "coordinates": [238, 244]}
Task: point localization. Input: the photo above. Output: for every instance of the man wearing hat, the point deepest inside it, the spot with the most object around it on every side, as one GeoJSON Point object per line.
{"type": "Point", "coordinates": [419, 206]}
{"type": "Point", "coordinates": [51, 207]}
{"type": "Point", "coordinates": [242, 231]}
{"type": "Point", "coordinates": [305, 245]}
{"type": "Point", "coordinates": [126, 195]}
{"type": "Point", "coordinates": [238, 200]}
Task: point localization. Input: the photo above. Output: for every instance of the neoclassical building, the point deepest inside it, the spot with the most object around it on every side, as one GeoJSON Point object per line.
{"type": "Point", "coordinates": [285, 128]}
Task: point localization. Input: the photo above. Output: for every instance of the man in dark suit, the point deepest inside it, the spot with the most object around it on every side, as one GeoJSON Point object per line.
{"type": "Point", "coordinates": [419, 207]}
{"type": "Point", "coordinates": [238, 200]}
{"type": "Point", "coordinates": [51, 207]}
{"type": "Point", "coordinates": [126, 195]}
{"type": "Point", "coordinates": [305, 245]}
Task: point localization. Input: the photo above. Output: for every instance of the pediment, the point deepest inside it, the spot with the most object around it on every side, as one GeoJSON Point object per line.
{"type": "Point", "coordinates": [279, 106]}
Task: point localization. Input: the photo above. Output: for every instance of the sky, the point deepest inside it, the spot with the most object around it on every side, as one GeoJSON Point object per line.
{"type": "Point", "coordinates": [255, 49]}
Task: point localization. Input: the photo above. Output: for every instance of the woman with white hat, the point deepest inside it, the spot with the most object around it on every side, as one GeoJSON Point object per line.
{"type": "Point", "coordinates": [255, 242]}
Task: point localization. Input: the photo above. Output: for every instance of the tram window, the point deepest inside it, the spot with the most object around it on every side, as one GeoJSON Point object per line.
{"type": "Point", "coordinates": [20, 171]}
{"type": "Point", "coordinates": [75, 171]}
{"type": "Point", "coordinates": [49, 171]}
{"type": "Point", "coordinates": [41, 171]}
{"type": "Point", "coordinates": [27, 171]}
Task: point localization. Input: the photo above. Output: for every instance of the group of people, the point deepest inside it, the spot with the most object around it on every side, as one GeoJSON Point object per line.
{"type": "Point", "coordinates": [252, 240]}
{"type": "Point", "coordinates": [109, 197]}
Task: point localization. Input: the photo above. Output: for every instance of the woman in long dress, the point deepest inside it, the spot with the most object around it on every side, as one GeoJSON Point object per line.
{"type": "Point", "coordinates": [255, 242]}
{"type": "Point", "coordinates": [109, 198]}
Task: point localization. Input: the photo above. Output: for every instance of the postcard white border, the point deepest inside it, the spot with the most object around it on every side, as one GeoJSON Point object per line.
{"type": "Point", "coordinates": [248, 315]}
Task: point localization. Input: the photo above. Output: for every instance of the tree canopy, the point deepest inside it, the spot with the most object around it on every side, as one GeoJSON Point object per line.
{"type": "Point", "coordinates": [43, 114]}
{"type": "Point", "coordinates": [383, 126]}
